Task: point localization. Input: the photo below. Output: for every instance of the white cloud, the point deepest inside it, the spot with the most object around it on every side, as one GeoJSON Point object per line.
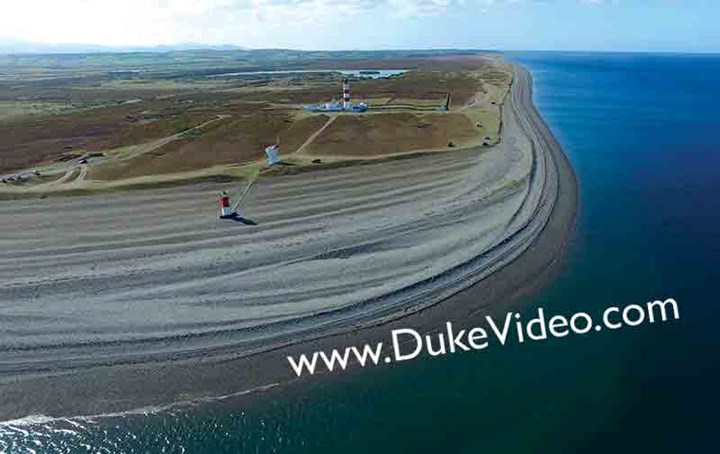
{"type": "Point", "coordinates": [244, 22]}
{"type": "Point", "coordinates": [117, 22]}
{"type": "Point", "coordinates": [598, 2]}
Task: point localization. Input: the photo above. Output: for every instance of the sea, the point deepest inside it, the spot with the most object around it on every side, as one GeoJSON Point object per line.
{"type": "Point", "coordinates": [643, 134]}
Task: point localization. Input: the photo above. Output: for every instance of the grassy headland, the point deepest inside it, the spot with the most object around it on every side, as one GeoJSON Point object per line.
{"type": "Point", "coordinates": [186, 115]}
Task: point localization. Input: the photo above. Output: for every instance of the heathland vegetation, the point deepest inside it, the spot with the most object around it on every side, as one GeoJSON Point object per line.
{"type": "Point", "coordinates": [148, 118]}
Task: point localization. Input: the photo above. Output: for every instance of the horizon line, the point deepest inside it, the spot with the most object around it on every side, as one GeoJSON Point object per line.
{"type": "Point", "coordinates": [170, 48]}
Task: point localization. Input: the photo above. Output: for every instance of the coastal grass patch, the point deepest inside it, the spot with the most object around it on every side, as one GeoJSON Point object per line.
{"type": "Point", "coordinates": [147, 121]}
{"type": "Point", "coordinates": [14, 109]}
{"type": "Point", "coordinates": [35, 139]}
{"type": "Point", "coordinates": [382, 134]}
{"type": "Point", "coordinates": [231, 140]}
{"type": "Point", "coordinates": [487, 123]}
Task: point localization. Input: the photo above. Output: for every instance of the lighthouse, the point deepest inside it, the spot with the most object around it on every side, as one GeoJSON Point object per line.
{"type": "Point", "coordinates": [226, 211]}
{"type": "Point", "coordinates": [346, 95]}
{"type": "Point", "coordinates": [337, 106]}
{"type": "Point", "coordinates": [272, 154]}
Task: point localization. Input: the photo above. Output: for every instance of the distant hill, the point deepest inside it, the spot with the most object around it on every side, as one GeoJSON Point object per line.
{"type": "Point", "coordinates": [10, 46]}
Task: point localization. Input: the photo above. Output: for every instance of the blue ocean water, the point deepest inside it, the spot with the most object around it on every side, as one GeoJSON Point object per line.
{"type": "Point", "coordinates": [643, 134]}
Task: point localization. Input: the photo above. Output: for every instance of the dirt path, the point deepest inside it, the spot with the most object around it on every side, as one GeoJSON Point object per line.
{"type": "Point", "coordinates": [72, 179]}
{"type": "Point", "coordinates": [315, 135]}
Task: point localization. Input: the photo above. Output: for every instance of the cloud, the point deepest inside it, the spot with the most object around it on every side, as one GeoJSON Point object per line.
{"type": "Point", "coordinates": [116, 22]}
{"type": "Point", "coordinates": [256, 23]}
{"type": "Point", "coordinates": [419, 7]}
{"type": "Point", "coordinates": [598, 2]}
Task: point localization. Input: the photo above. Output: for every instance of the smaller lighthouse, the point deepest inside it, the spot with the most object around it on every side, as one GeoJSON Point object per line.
{"type": "Point", "coordinates": [346, 94]}
{"type": "Point", "coordinates": [272, 154]}
{"type": "Point", "coordinates": [226, 211]}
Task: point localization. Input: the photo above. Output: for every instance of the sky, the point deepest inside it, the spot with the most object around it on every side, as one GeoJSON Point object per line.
{"type": "Point", "coordinates": [593, 25]}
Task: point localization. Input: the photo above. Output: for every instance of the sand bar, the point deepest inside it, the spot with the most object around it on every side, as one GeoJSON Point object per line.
{"type": "Point", "coordinates": [125, 300]}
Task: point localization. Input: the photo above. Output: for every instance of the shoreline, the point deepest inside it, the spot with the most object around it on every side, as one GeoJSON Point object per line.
{"type": "Point", "coordinates": [537, 259]}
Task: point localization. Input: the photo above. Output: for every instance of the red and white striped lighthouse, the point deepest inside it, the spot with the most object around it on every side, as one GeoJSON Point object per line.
{"type": "Point", "coordinates": [346, 94]}
{"type": "Point", "coordinates": [226, 211]}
